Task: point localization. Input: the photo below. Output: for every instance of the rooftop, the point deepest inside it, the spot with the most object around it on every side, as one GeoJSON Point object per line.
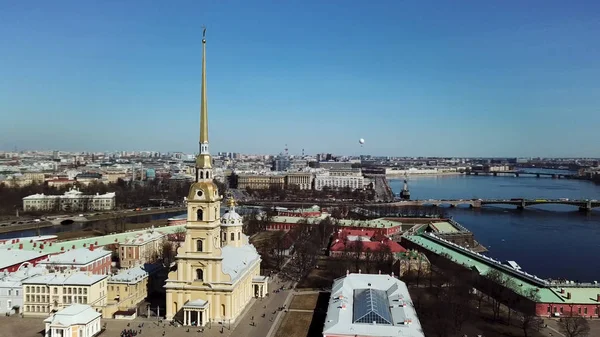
{"type": "Point", "coordinates": [371, 305]}
{"type": "Point", "coordinates": [79, 256]}
{"type": "Point", "coordinates": [525, 282]}
{"type": "Point", "coordinates": [77, 279]}
{"type": "Point", "coordinates": [16, 278]}
{"type": "Point", "coordinates": [134, 274]}
{"type": "Point", "coordinates": [443, 227]}
{"type": "Point", "coordinates": [10, 257]}
{"type": "Point", "coordinates": [144, 237]}
{"type": "Point", "coordinates": [73, 314]}
{"type": "Point", "coordinates": [237, 260]}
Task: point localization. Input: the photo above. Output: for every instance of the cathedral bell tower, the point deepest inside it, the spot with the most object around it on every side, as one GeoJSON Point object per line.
{"type": "Point", "coordinates": [204, 201]}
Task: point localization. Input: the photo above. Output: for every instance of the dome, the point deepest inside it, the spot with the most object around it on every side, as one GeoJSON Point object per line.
{"type": "Point", "coordinates": [231, 218]}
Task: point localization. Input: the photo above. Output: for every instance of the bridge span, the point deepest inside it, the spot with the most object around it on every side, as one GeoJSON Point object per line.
{"type": "Point", "coordinates": [518, 173]}
{"type": "Point", "coordinates": [583, 205]}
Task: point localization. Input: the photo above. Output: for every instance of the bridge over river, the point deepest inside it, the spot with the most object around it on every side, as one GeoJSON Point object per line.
{"type": "Point", "coordinates": [583, 205]}
{"type": "Point", "coordinates": [518, 173]}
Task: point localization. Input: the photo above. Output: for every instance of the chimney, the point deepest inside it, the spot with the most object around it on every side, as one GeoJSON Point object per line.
{"type": "Point", "coordinates": [360, 271]}
{"type": "Point", "coordinates": [598, 298]}
{"type": "Point", "coordinates": [568, 295]}
{"type": "Point", "coordinates": [20, 246]}
{"type": "Point", "coordinates": [347, 272]}
{"type": "Point", "coordinates": [73, 247]}
{"type": "Point", "coordinates": [562, 290]}
{"type": "Point", "coordinates": [379, 271]}
{"type": "Point", "coordinates": [84, 244]}
{"type": "Point", "coordinates": [62, 248]}
{"type": "Point", "coordinates": [41, 246]}
{"type": "Point", "coordinates": [91, 248]}
{"type": "Point", "coordinates": [35, 244]}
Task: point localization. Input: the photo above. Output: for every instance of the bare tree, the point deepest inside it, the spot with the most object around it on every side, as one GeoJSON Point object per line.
{"type": "Point", "coordinates": [500, 287]}
{"type": "Point", "coordinates": [574, 326]}
{"type": "Point", "coordinates": [167, 252]}
{"type": "Point", "coordinates": [529, 322]}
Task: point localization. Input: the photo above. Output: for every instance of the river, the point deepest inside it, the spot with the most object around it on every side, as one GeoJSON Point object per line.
{"type": "Point", "coordinates": [550, 241]}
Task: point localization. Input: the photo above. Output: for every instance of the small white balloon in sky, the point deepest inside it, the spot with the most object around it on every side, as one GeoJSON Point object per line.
{"type": "Point", "coordinates": [361, 141]}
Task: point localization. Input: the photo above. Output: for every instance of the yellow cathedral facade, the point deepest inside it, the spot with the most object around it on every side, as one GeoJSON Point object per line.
{"type": "Point", "coordinates": [217, 269]}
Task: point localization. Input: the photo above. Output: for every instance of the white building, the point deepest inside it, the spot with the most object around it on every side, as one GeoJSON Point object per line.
{"type": "Point", "coordinates": [355, 182]}
{"type": "Point", "coordinates": [11, 287]}
{"type": "Point", "coordinates": [77, 320]}
{"type": "Point", "coordinates": [371, 305]}
{"type": "Point", "coordinates": [72, 200]}
{"type": "Point", "coordinates": [44, 293]}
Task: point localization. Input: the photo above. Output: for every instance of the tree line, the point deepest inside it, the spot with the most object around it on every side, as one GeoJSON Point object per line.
{"type": "Point", "coordinates": [128, 194]}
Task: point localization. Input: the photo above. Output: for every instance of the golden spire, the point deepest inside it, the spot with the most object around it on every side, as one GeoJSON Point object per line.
{"type": "Point", "coordinates": [203, 161]}
{"type": "Point", "coordinates": [231, 202]}
{"type": "Point", "coordinates": [203, 102]}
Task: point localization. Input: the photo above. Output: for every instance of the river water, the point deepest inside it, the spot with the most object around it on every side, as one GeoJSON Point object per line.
{"type": "Point", "coordinates": [550, 241]}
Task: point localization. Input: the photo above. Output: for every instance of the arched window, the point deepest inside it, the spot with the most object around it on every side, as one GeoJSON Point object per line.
{"type": "Point", "coordinates": [201, 174]}
{"type": "Point", "coordinates": [199, 274]}
{"type": "Point", "coordinates": [223, 309]}
{"type": "Point", "coordinates": [239, 236]}
{"type": "Point", "coordinates": [232, 236]}
{"type": "Point", "coordinates": [207, 175]}
{"type": "Point", "coordinates": [199, 246]}
{"type": "Point", "coordinates": [199, 215]}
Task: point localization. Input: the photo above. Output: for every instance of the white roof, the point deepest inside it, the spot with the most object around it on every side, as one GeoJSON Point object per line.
{"type": "Point", "coordinates": [133, 274]}
{"type": "Point", "coordinates": [76, 279]}
{"type": "Point", "coordinates": [231, 218]}
{"type": "Point", "coordinates": [73, 314]}
{"type": "Point", "coordinates": [80, 256]}
{"type": "Point", "coordinates": [14, 279]}
{"type": "Point", "coordinates": [237, 260]}
{"type": "Point", "coordinates": [140, 239]}
{"type": "Point", "coordinates": [13, 256]}
{"type": "Point", "coordinates": [196, 304]}
{"type": "Point", "coordinates": [380, 298]}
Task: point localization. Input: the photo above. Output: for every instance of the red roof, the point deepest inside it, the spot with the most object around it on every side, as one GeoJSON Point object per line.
{"type": "Point", "coordinates": [373, 245]}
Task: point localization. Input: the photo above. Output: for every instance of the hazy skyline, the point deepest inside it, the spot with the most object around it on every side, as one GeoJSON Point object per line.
{"type": "Point", "coordinates": [429, 78]}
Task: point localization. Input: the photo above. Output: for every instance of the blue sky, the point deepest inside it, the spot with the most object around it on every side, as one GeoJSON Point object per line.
{"type": "Point", "coordinates": [436, 78]}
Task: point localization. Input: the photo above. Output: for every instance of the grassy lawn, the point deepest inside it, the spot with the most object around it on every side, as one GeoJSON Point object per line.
{"type": "Point", "coordinates": [304, 302]}
{"type": "Point", "coordinates": [295, 324]}
{"type": "Point", "coordinates": [321, 277]}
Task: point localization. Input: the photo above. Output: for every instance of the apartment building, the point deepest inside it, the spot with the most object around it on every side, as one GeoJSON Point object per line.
{"type": "Point", "coordinates": [54, 291]}
{"type": "Point", "coordinates": [141, 248]}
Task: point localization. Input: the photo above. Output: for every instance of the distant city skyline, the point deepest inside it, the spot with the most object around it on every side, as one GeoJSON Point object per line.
{"type": "Point", "coordinates": [487, 79]}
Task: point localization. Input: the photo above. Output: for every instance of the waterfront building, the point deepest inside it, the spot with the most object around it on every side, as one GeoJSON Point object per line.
{"type": "Point", "coordinates": [141, 248]}
{"type": "Point", "coordinates": [11, 287]}
{"type": "Point", "coordinates": [326, 179]}
{"type": "Point", "coordinates": [216, 267]}
{"type": "Point", "coordinates": [53, 291]}
{"type": "Point", "coordinates": [72, 200]}
{"type": "Point", "coordinates": [554, 299]}
{"type": "Point", "coordinates": [12, 259]}
{"type": "Point", "coordinates": [77, 320]}
{"type": "Point", "coordinates": [371, 305]}
{"type": "Point", "coordinates": [380, 226]}
{"type": "Point", "coordinates": [128, 288]}
{"type": "Point", "coordinates": [92, 260]}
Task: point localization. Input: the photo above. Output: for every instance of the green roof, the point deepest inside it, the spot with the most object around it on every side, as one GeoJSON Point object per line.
{"type": "Point", "coordinates": [579, 294]}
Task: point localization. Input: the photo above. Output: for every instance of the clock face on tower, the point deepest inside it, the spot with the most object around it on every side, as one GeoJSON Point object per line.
{"type": "Point", "coordinates": [199, 193]}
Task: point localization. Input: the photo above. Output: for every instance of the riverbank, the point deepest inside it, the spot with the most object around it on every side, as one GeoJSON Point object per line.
{"type": "Point", "coordinates": [401, 175]}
